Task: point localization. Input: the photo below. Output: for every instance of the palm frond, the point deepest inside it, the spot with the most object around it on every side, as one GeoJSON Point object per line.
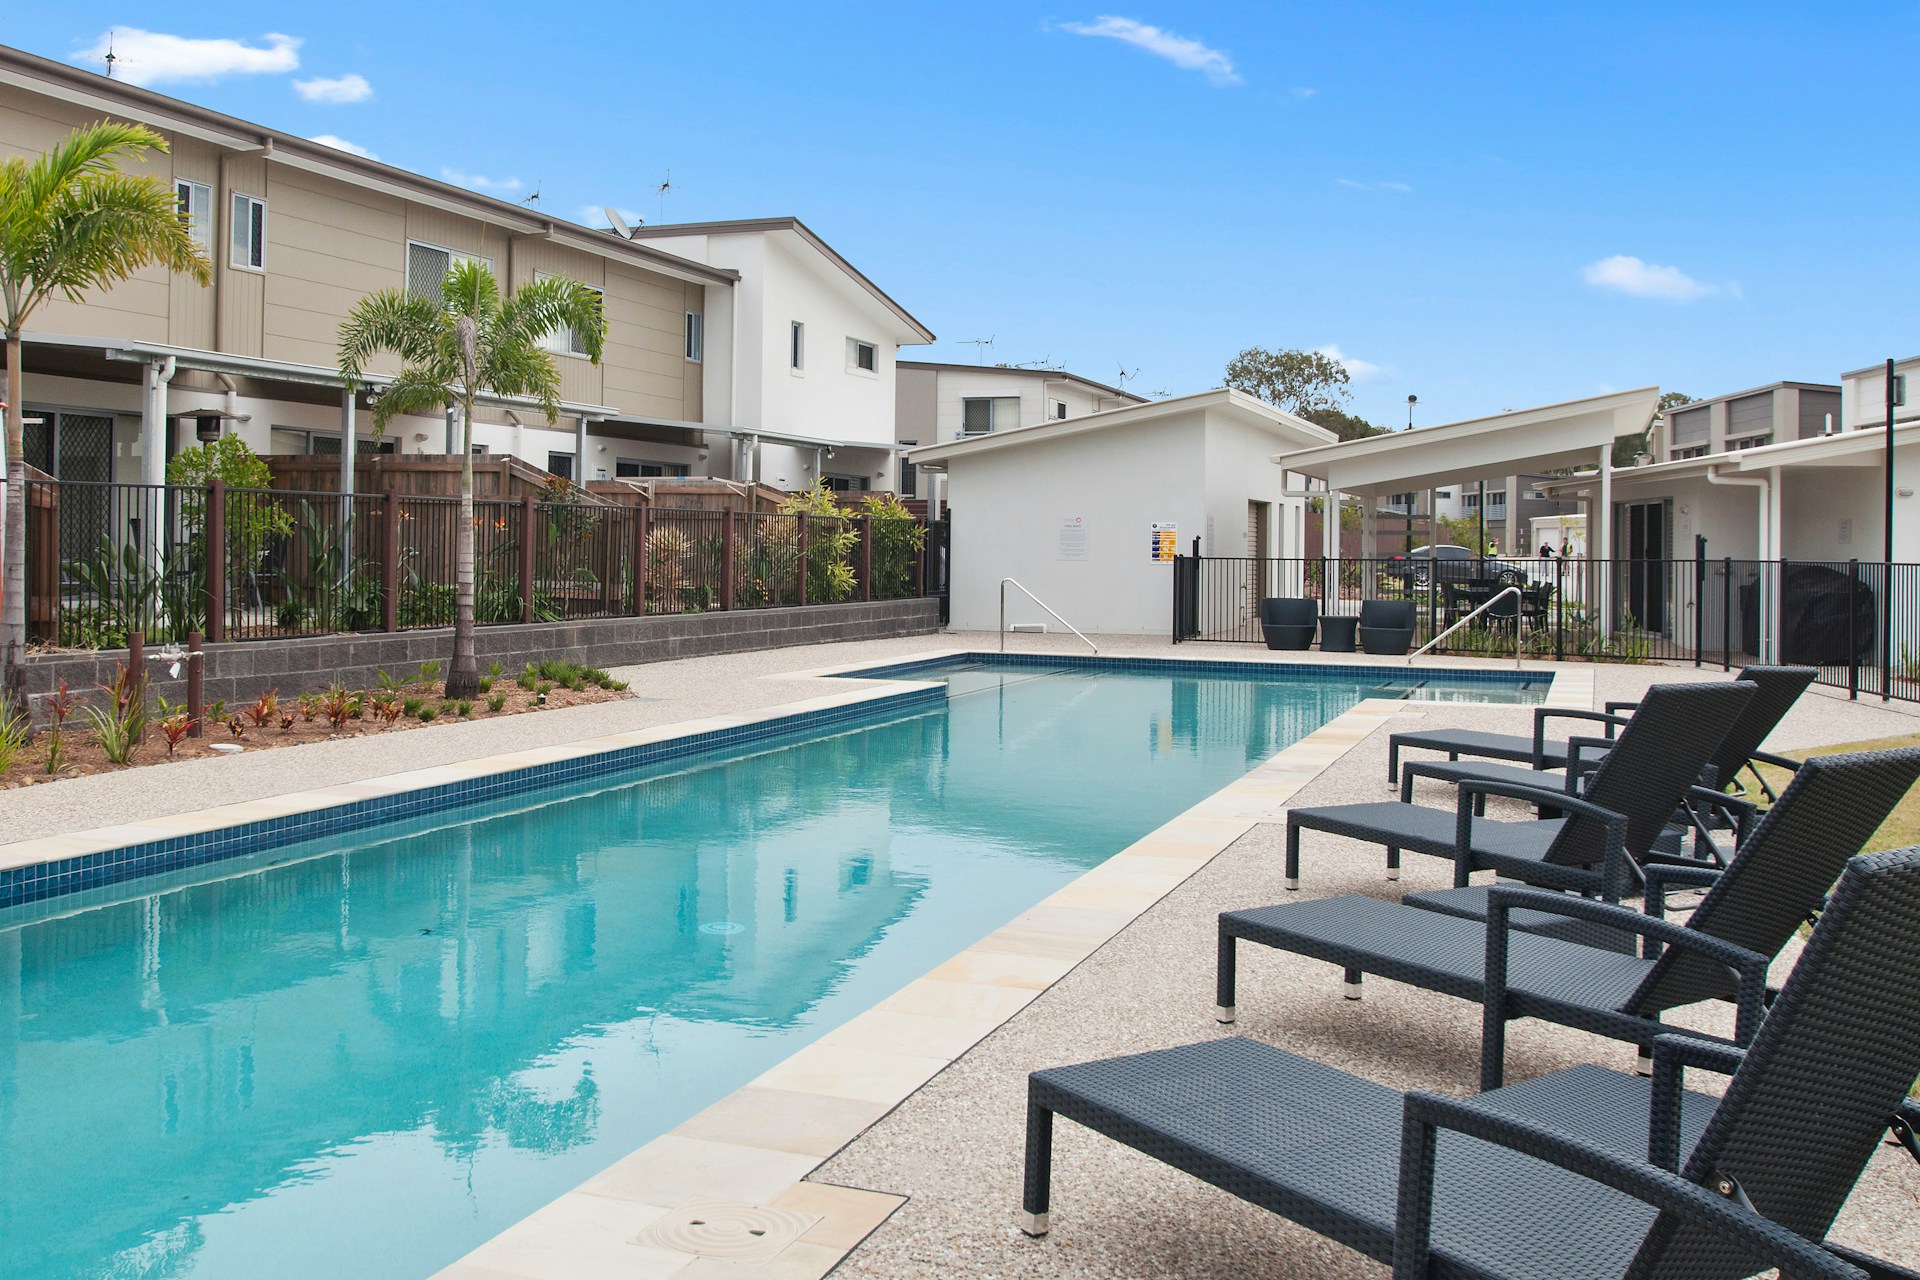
{"type": "Point", "coordinates": [469, 289]}
{"type": "Point", "coordinates": [552, 304]}
{"type": "Point", "coordinates": [411, 327]}
{"type": "Point", "coordinates": [412, 391]}
{"type": "Point", "coordinates": [523, 369]}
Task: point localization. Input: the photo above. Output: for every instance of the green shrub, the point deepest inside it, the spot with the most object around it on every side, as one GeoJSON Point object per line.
{"type": "Point", "coordinates": [16, 731]}
{"type": "Point", "coordinates": [466, 708]}
{"type": "Point", "coordinates": [496, 701]}
{"type": "Point", "coordinates": [411, 706]}
{"type": "Point", "coordinates": [427, 713]}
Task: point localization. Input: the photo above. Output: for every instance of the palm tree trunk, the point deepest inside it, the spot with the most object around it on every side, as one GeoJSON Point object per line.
{"type": "Point", "coordinates": [13, 594]}
{"type": "Point", "coordinates": [463, 676]}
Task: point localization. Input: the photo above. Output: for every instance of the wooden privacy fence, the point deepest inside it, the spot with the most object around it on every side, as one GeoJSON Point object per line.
{"type": "Point", "coordinates": [106, 560]}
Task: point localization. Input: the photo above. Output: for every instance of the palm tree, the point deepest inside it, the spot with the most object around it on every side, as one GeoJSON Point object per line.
{"type": "Point", "coordinates": [453, 349]}
{"type": "Point", "coordinates": [70, 221]}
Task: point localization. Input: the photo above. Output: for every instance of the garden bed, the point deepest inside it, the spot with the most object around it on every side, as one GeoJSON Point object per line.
{"type": "Point", "coordinates": [395, 705]}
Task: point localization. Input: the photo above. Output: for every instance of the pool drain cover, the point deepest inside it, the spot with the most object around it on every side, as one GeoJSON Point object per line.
{"type": "Point", "coordinates": [722, 927]}
{"type": "Point", "coordinates": [747, 1232]}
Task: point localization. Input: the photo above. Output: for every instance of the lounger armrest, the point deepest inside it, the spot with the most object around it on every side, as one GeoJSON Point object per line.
{"type": "Point", "coordinates": [1577, 752]}
{"type": "Point", "coordinates": [1740, 812]}
{"type": "Point", "coordinates": [1672, 1055]}
{"type": "Point", "coordinates": [1617, 706]}
{"type": "Point", "coordinates": [1778, 762]}
{"type": "Point", "coordinates": [1617, 870]}
{"type": "Point", "coordinates": [1876, 1268]}
{"type": "Point", "coordinates": [1542, 714]}
{"type": "Point", "coordinates": [1749, 967]}
{"type": "Point", "coordinates": [1425, 1114]}
{"type": "Point", "coordinates": [1662, 876]}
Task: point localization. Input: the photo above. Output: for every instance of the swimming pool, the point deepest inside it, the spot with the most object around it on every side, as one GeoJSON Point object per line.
{"type": "Point", "coordinates": [365, 1054]}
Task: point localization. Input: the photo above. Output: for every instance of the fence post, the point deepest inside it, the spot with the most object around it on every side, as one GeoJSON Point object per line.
{"type": "Point", "coordinates": [1699, 596]}
{"type": "Point", "coordinates": [1853, 646]}
{"type": "Point", "coordinates": [1560, 609]}
{"type": "Point", "coordinates": [800, 592]}
{"type": "Point", "coordinates": [726, 560]}
{"type": "Point", "coordinates": [216, 567]}
{"type": "Point", "coordinates": [866, 557]}
{"type": "Point", "coordinates": [390, 561]}
{"type": "Point", "coordinates": [1726, 614]}
{"type": "Point", "coordinates": [526, 558]}
{"type": "Point", "coordinates": [1886, 628]}
{"type": "Point", "coordinates": [196, 685]}
{"type": "Point", "coordinates": [640, 561]}
{"type": "Point", "coordinates": [137, 672]}
{"type": "Point", "coordinates": [920, 563]}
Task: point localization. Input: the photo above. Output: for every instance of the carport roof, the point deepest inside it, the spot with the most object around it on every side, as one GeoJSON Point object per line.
{"type": "Point", "coordinates": [1522, 441]}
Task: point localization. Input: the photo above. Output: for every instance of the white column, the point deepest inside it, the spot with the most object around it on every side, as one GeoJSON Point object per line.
{"type": "Point", "coordinates": [1516, 546]}
{"type": "Point", "coordinates": [153, 425]}
{"type": "Point", "coordinates": [580, 473]}
{"type": "Point", "coordinates": [453, 438]}
{"type": "Point", "coordinates": [1773, 547]}
{"type": "Point", "coordinates": [1600, 547]}
{"type": "Point", "coordinates": [347, 458]}
{"type": "Point", "coordinates": [1330, 549]}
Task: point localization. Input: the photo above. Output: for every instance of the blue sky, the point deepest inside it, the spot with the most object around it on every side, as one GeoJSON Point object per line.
{"type": "Point", "coordinates": [1490, 206]}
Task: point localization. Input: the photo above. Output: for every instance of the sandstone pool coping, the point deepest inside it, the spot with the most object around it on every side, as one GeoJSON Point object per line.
{"type": "Point", "coordinates": [757, 1145]}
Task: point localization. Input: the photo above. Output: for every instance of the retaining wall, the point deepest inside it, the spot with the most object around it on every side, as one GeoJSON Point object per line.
{"type": "Point", "coordinates": [239, 670]}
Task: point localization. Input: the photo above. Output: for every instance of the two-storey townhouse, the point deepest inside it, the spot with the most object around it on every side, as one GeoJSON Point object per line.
{"type": "Point", "coordinates": [937, 402]}
{"type": "Point", "coordinates": [810, 387]}
{"type": "Point", "coordinates": [298, 232]}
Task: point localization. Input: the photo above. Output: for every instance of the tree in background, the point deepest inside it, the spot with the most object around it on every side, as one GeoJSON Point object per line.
{"type": "Point", "coordinates": [1627, 447]}
{"type": "Point", "coordinates": [453, 349]}
{"type": "Point", "coordinates": [70, 222]}
{"type": "Point", "coordinates": [1307, 384]}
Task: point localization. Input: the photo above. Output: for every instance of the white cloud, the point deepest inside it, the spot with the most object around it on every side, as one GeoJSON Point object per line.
{"type": "Point", "coordinates": [341, 144]}
{"type": "Point", "coordinates": [1301, 91]}
{"type": "Point", "coordinates": [1188, 55]}
{"type": "Point", "coordinates": [1398, 188]}
{"type": "Point", "coordinates": [1357, 369]}
{"type": "Point", "coordinates": [337, 91]}
{"type": "Point", "coordinates": [595, 215]}
{"type": "Point", "coordinates": [153, 57]}
{"type": "Point", "coordinates": [1630, 275]}
{"type": "Point", "coordinates": [480, 183]}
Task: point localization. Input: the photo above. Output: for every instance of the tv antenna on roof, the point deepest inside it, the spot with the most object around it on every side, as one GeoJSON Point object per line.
{"type": "Point", "coordinates": [979, 346]}
{"type": "Point", "coordinates": [532, 197]}
{"type": "Point", "coordinates": [1044, 362]}
{"type": "Point", "coordinates": [664, 190]}
{"type": "Point", "coordinates": [111, 57]}
{"type": "Point", "coordinates": [1125, 377]}
{"type": "Point", "coordinates": [615, 221]}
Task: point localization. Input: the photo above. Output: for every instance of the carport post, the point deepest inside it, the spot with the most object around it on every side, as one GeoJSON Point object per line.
{"type": "Point", "coordinates": [1600, 551]}
{"type": "Point", "coordinates": [1330, 551]}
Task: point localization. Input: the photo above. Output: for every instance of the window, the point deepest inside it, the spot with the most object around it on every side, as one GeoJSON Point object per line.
{"type": "Point", "coordinates": [863, 356]}
{"type": "Point", "coordinates": [428, 264]}
{"type": "Point", "coordinates": [847, 484]}
{"type": "Point", "coordinates": [249, 232]}
{"type": "Point", "coordinates": [567, 342]}
{"type": "Point", "coordinates": [909, 474]}
{"type": "Point", "coordinates": [635, 469]}
{"type": "Point", "coordinates": [797, 347]}
{"type": "Point", "coordinates": [196, 210]}
{"type": "Point", "coordinates": [696, 336]}
{"type": "Point", "coordinates": [1697, 451]}
{"type": "Point", "coordinates": [1058, 410]}
{"type": "Point", "coordinates": [560, 464]}
{"type": "Point", "coordinates": [978, 417]}
{"type": "Point", "coordinates": [1749, 442]}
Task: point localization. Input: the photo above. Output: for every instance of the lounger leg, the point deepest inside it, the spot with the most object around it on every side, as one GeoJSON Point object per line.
{"type": "Point", "coordinates": [1039, 1182]}
{"type": "Point", "coordinates": [1353, 984]}
{"type": "Point", "coordinates": [1293, 855]}
{"type": "Point", "coordinates": [1406, 787]}
{"type": "Point", "coordinates": [1393, 760]}
{"type": "Point", "coordinates": [1224, 976]}
{"type": "Point", "coordinates": [1393, 863]}
{"type": "Point", "coordinates": [1493, 1045]}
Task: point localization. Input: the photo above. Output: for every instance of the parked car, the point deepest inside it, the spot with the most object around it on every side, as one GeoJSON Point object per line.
{"type": "Point", "coordinates": [1455, 564]}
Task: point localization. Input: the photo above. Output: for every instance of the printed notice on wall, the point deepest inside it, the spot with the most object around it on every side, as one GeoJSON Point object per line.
{"type": "Point", "coordinates": [1073, 538]}
{"type": "Point", "coordinates": [1166, 539]}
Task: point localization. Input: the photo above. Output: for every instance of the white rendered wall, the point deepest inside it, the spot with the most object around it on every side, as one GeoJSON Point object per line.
{"type": "Point", "coordinates": [953, 387]}
{"type": "Point", "coordinates": [1009, 504]}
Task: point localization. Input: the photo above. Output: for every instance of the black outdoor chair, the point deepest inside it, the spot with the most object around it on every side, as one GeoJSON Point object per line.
{"type": "Point", "coordinates": [1584, 1172]}
{"type": "Point", "coordinates": [1776, 689]}
{"type": "Point", "coordinates": [1386, 626]}
{"type": "Point", "coordinates": [1612, 822]}
{"type": "Point", "coordinates": [1775, 881]}
{"type": "Point", "coordinates": [1288, 622]}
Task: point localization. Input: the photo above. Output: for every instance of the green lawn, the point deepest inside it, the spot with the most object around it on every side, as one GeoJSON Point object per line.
{"type": "Point", "coordinates": [1902, 827]}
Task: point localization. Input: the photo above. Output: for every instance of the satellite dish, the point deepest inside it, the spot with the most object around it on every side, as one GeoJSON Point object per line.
{"type": "Point", "coordinates": [617, 222]}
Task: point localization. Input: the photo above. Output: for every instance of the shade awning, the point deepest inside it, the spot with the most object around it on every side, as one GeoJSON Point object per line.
{"type": "Point", "coordinates": [1520, 442]}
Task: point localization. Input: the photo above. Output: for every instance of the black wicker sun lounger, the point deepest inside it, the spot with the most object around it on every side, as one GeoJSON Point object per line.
{"type": "Point", "coordinates": [1624, 806]}
{"type": "Point", "coordinates": [1776, 689]}
{"type": "Point", "coordinates": [1574, 1173]}
{"type": "Point", "coordinates": [1778, 878]}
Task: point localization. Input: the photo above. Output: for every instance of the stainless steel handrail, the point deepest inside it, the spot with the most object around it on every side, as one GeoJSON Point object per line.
{"type": "Point", "coordinates": [1492, 600]}
{"type": "Point", "coordinates": [1044, 605]}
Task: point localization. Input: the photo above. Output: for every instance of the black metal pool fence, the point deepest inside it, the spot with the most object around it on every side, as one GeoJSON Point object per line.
{"type": "Point", "coordinates": [104, 560]}
{"type": "Point", "coordinates": [1857, 621]}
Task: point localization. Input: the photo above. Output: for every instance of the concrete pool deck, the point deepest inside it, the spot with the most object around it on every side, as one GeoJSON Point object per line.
{"type": "Point", "coordinates": [916, 1106]}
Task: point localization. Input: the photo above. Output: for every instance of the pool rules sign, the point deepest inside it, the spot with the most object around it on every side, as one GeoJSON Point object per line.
{"type": "Point", "coordinates": [1073, 538]}
{"type": "Point", "coordinates": [1166, 538]}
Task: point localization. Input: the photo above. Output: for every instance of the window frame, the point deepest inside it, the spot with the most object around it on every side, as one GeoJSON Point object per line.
{"type": "Point", "coordinates": [453, 256]}
{"type": "Point", "coordinates": [256, 248]}
{"type": "Point", "coordinates": [559, 344]}
{"type": "Point", "coordinates": [202, 234]}
{"type": "Point", "coordinates": [696, 337]}
{"type": "Point", "coordinates": [797, 347]}
{"type": "Point", "coordinates": [993, 424]}
{"type": "Point", "coordinates": [854, 347]}
{"type": "Point", "coordinates": [1056, 410]}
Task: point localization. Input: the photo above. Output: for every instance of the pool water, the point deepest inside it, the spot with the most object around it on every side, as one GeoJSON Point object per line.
{"type": "Point", "coordinates": [364, 1057]}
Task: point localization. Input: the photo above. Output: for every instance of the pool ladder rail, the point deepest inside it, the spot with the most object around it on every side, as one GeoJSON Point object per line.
{"type": "Point", "coordinates": [1010, 582]}
{"type": "Point", "coordinates": [1492, 600]}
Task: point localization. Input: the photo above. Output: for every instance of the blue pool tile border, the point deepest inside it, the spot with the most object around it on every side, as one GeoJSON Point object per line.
{"type": "Point", "coordinates": [1399, 677]}
{"type": "Point", "coordinates": [39, 881]}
